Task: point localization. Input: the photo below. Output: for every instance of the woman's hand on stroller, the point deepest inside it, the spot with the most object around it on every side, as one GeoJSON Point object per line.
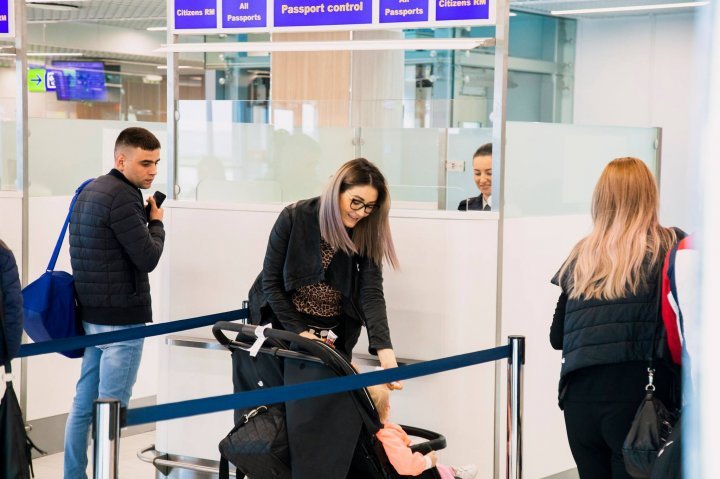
{"type": "Point", "coordinates": [387, 361]}
{"type": "Point", "coordinates": [308, 335]}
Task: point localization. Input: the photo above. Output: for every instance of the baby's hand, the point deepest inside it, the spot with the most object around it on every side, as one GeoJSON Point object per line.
{"type": "Point", "coordinates": [433, 457]}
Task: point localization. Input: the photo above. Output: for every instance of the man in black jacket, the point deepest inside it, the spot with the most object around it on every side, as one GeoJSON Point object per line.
{"type": "Point", "coordinates": [113, 247]}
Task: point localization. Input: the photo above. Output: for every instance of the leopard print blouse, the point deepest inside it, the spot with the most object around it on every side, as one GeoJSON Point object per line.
{"type": "Point", "coordinates": [319, 299]}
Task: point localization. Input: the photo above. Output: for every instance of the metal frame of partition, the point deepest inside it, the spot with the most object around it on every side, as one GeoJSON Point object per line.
{"type": "Point", "coordinates": [22, 157]}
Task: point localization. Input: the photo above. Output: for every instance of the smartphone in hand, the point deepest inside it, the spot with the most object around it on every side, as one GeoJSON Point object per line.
{"type": "Point", "coordinates": [159, 198]}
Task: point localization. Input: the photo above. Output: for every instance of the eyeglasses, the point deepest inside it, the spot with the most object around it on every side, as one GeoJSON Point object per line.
{"type": "Point", "coordinates": [357, 205]}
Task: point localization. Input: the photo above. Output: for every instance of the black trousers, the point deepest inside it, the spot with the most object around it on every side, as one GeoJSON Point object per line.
{"type": "Point", "coordinates": [596, 431]}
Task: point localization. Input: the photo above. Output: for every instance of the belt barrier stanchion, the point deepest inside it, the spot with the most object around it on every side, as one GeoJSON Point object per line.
{"type": "Point", "coordinates": [106, 439]}
{"type": "Point", "coordinates": [514, 407]}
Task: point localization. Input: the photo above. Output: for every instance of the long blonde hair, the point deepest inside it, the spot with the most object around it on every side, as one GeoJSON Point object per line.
{"type": "Point", "coordinates": [626, 233]}
{"type": "Point", "coordinates": [371, 236]}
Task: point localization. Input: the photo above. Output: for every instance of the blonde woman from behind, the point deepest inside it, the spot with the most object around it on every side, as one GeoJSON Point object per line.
{"type": "Point", "coordinates": [606, 319]}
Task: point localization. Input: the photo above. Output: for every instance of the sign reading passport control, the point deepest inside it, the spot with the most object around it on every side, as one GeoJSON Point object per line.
{"type": "Point", "coordinates": [247, 16]}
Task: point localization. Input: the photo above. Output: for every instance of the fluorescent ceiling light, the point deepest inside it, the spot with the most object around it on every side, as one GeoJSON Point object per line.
{"type": "Point", "coordinates": [57, 54]}
{"type": "Point", "coordinates": [632, 8]}
{"type": "Point", "coordinates": [156, 29]}
{"type": "Point", "coordinates": [319, 46]}
{"type": "Point", "coordinates": [60, 7]}
{"type": "Point", "coordinates": [181, 67]}
{"type": "Point", "coordinates": [46, 54]}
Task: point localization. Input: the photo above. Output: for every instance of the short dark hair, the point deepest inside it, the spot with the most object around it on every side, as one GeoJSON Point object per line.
{"type": "Point", "coordinates": [3, 245]}
{"type": "Point", "coordinates": [485, 150]}
{"type": "Point", "coordinates": [136, 137]}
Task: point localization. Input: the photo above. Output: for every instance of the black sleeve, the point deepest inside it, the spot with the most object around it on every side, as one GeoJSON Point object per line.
{"type": "Point", "coordinates": [12, 303]}
{"type": "Point", "coordinates": [372, 301]}
{"type": "Point", "coordinates": [558, 323]}
{"type": "Point", "coordinates": [273, 281]}
{"type": "Point", "coordinates": [463, 205]}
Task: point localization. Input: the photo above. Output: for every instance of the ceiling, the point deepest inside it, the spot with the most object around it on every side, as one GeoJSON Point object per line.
{"type": "Point", "coordinates": [141, 14]}
{"type": "Point", "coordinates": [136, 14]}
{"type": "Point", "coordinates": [547, 6]}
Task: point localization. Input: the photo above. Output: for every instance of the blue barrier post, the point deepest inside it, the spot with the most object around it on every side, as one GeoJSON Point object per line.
{"type": "Point", "coordinates": [106, 439]}
{"type": "Point", "coordinates": [514, 407]}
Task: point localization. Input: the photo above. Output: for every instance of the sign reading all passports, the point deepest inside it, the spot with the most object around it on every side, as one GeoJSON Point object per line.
{"type": "Point", "coordinates": [245, 16]}
{"type": "Point", "coordinates": [6, 19]}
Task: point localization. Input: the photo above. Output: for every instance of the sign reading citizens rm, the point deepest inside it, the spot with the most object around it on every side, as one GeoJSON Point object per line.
{"type": "Point", "coordinates": [242, 16]}
{"type": "Point", "coordinates": [6, 19]}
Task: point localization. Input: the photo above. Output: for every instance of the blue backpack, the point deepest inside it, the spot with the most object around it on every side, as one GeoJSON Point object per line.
{"type": "Point", "coordinates": [49, 302]}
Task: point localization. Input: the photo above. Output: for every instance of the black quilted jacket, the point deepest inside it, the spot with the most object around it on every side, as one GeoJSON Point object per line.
{"type": "Point", "coordinates": [11, 304]}
{"type": "Point", "coordinates": [112, 250]}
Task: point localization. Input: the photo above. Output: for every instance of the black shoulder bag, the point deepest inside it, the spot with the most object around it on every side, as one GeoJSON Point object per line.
{"type": "Point", "coordinates": [652, 425]}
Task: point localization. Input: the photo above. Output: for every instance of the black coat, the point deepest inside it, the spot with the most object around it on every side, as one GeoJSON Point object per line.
{"type": "Point", "coordinates": [112, 250]}
{"type": "Point", "coordinates": [293, 259]}
{"type": "Point", "coordinates": [471, 204]}
{"type": "Point", "coordinates": [11, 305]}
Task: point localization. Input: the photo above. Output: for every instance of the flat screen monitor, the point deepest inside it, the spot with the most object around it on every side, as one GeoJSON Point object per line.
{"type": "Point", "coordinates": [80, 81]}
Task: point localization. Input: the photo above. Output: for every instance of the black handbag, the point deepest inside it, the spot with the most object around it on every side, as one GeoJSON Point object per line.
{"type": "Point", "coordinates": [14, 446]}
{"type": "Point", "coordinates": [669, 460]}
{"type": "Point", "coordinates": [258, 445]}
{"type": "Point", "coordinates": [649, 432]}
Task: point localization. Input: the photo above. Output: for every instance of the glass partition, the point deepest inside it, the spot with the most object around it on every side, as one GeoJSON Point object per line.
{"type": "Point", "coordinates": [64, 153]}
{"type": "Point", "coordinates": [287, 152]}
{"type": "Point", "coordinates": [551, 169]}
{"type": "Point", "coordinates": [8, 155]}
{"type": "Point", "coordinates": [223, 158]}
{"type": "Point", "coordinates": [8, 161]}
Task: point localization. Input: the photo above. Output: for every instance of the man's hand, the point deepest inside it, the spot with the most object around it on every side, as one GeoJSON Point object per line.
{"type": "Point", "coordinates": [155, 212]}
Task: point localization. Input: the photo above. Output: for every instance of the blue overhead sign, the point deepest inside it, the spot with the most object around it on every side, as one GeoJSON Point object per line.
{"type": "Point", "coordinates": [394, 11]}
{"type": "Point", "coordinates": [7, 23]}
{"type": "Point", "coordinates": [193, 14]}
{"type": "Point", "coordinates": [244, 16]}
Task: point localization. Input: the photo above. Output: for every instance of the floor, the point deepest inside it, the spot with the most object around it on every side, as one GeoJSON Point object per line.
{"type": "Point", "coordinates": [50, 467]}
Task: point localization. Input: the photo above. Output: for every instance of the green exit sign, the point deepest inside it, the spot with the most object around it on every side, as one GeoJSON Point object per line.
{"type": "Point", "coordinates": [36, 80]}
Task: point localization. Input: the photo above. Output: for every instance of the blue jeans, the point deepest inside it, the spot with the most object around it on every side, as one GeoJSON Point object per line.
{"type": "Point", "coordinates": [108, 371]}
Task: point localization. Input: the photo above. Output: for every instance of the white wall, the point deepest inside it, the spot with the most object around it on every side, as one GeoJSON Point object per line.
{"type": "Point", "coordinates": [534, 249]}
{"type": "Point", "coordinates": [639, 71]}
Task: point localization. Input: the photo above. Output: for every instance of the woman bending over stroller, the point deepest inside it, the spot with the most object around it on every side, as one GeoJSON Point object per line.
{"type": "Point", "coordinates": [322, 279]}
{"type": "Point", "coordinates": [396, 444]}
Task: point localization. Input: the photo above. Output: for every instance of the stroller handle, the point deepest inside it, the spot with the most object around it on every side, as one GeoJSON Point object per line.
{"type": "Point", "coordinates": [248, 330]}
{"type": "Point", "coordinates": [434, 441]}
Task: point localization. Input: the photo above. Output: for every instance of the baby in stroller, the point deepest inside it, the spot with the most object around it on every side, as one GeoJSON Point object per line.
{"type": "Point", "coordinates": [396, 444]}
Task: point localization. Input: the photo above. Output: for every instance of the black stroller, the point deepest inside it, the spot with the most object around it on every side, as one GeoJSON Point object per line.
{"type": "Point", "coordinates": [286, 358]}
